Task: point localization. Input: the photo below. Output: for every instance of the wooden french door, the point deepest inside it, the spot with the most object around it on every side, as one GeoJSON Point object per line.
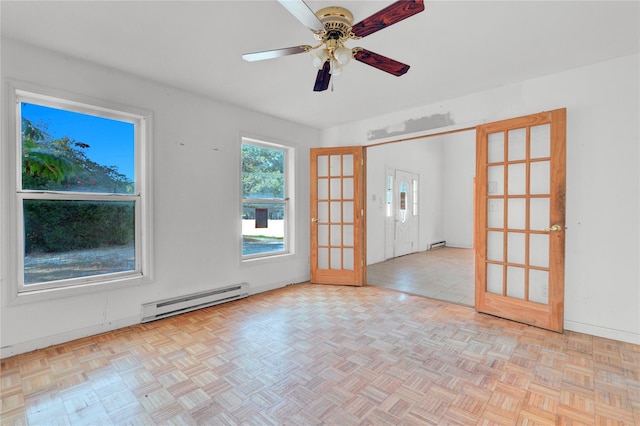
{"type": "Point", "coordinates": [520, 219]}
{"type": "Point", "coordinates": [337, 216]}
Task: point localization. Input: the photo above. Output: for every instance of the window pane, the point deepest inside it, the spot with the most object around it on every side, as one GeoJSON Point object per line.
{"type": "Point", "coordinates": [70, 151]}
{"type": "Point", "coordinates": [262, 172]}
{"type": "Point", "coordinates": [73, 239]}
{"type": "Point", "coordinates": [263, 228]}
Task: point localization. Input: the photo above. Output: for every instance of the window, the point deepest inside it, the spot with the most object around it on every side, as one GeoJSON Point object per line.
{"type": "Point", "coordinates": [389, 198]}
{"type": "Point", "coordinates": [415, 197]}
{"type": "Point", "coordinates": [265, 199]}
{"type": "Point", "coordinates": [80, 194]}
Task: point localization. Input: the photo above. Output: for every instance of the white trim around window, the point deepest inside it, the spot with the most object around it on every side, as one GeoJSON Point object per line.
{"type": "Point", "coordinates": [284, 202]}
{"type": "Point", "coordinates": [13, 195]}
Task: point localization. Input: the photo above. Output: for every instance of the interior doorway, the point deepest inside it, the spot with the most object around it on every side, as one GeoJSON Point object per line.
{"type": "Point", "coordinates": [445, 165]}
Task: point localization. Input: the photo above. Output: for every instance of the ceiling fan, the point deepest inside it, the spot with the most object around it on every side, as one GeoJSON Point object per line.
{"type": "Point", "coordinates": [332, 27]}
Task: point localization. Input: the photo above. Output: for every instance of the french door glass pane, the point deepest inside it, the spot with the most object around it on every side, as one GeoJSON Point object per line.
{"type": "Point", "coordinates": [538, 213]}
{"type": "Point", "coordinates": [323, 212]}
{"type": "Point", "coordinates": [336, 258]}
{"type": "Point", "coordinates": [540, 141]}
{"type": "Point", "coordinates": [347, 236]}
{"type": "Point", "coordinates": [496, 147]}
{"type": "Point", "coordinates": [336, 237]}
{"type": "Point", "coordinates": [347, 215]}
{"type": "Point", "coordinates": [334, 165]}
{"type": "Point", "coordinates": [517, 179]}
{"type": "Point", "coordinates": [336, 193]}
{"type": "Point", "coordinates": [347, 165]}
{"type": "Point", "coordinates": [323, 258]}
{"type": "Point", "coordinates": [539, 250]}
{"type": "Point", "coordinates": [540, 177]}
{"type": "Point", "coordinates": [323, 165]}
{"type": "Point", "coordinates": [515, 247]}
{"type": "Point", "coordinates": [323, 189]}
{"type": "Point", "coordinates": [323, 235]}
{"type": "Point", "coordinates": [335, 216]}
{"type": "Point", "coordinates": [517, 144]}
{"type": "Point", "coordinates": [517, 213]}
{"type": "Point", "coordinates": [495, 180]}
{"type": "Point", "coordinates": [495, 246]}
{"type": "Point", "coordinates": [348, 259]}
{"type": "Point", "coordinates": [494, 278]}
{"type": "Point", "coordinates": [515, 282]}
{"type": "Point", "coordinates": [495, 213]}
{"type": "Point", "coordinates": [539, 286]}
{"type": "Point", "coordinates": [72, 239]}
{"type": "Point", "coordinates": [347, 188]}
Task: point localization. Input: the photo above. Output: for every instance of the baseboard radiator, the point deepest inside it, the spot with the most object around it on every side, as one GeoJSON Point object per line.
{"type": "Point", "coordinates": [178, 305]}
{"type": "Point", "coordinates": [437, 245]}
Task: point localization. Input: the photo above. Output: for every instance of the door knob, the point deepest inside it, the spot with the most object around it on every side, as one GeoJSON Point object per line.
{"type": "Point", "coordinates": [314, 220]}
{"type": "Point", "coordinates": [554, 228]}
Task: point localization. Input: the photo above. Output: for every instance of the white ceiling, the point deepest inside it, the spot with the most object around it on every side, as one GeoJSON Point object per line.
{"type": "Point", "coordinates": [453, 47]}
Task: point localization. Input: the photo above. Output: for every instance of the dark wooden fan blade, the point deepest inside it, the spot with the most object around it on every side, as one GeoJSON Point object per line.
{"type": "Point", "coordinates": [381, 62]}
{"type": "Point", "coordinates": [394, 13]}
{"type": "Point", "coordinates": [322, 80]}
{"type": "Point", "coordinates": [277, 53]}
{"type": "Point", "coordinates": [303, 13]}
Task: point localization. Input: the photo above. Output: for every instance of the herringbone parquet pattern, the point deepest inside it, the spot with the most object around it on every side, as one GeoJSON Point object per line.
{"type": "Point", "coordinates": [327, 355]}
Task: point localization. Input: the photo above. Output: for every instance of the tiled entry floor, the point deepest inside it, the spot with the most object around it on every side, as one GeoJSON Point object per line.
{"type": "Point", "coordinates": [445, 273]}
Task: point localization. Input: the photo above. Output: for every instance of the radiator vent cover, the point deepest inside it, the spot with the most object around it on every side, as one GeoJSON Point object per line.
{"type": "Point", "coordinates": [178, 305]}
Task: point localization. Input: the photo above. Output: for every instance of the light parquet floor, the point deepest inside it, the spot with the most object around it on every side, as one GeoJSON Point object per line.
{"type": "Point", "coordinates": [446, 273]}
{"type": "Point", "coordinates": [327, 355]}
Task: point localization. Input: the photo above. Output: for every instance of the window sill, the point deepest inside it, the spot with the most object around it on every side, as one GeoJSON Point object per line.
{"type": "Point", "coordinates": [38, 295]}
{"type": "Point", "coordinates": [270, 258]}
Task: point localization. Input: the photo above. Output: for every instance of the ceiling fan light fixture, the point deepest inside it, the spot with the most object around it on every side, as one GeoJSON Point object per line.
{"type": "Point", "coordinates": [332, 27]}
{"type": "Point", "coordinates": [319, 58]}
{"type": "Point", "coordinates": [343, 55]}
{"type": "Point", "coordinates": [336, 68]}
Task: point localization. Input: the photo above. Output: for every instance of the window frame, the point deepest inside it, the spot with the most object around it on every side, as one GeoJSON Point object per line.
{"type": "Point", "coordinates": [287, 200]}
{"type": "Point", "coordinates": [13, 192]}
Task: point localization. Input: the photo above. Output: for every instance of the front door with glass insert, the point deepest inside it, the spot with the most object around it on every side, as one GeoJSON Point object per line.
{"type": "Point", "coordinates": [406, 213]}
{"type": "Point", "coordinates": [337, 216]}
{"type": "Point", "coordinates": [520, 219]}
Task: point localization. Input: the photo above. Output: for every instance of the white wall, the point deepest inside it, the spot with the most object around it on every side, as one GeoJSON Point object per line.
{"type": "Point", "coordinates": [602, 279]}
{"type": "Point", "coordinates": [459, 170]}
{"type": "Point", "coordinates": [196, 211]}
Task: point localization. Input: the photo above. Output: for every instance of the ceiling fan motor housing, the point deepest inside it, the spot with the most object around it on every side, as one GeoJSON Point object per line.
{"type": "Point", "coordinates": [337, 23]}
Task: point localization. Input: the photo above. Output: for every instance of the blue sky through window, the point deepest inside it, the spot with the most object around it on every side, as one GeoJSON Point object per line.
{"type": "Point", "coordinates": [111, 142]}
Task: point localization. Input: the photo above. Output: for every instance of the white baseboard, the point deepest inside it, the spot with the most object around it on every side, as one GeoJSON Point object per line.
{"type": "Point", "coordinates": [272, 286]}
{"type": "Point", "coordinates": [45, 342]}
{"type": "Point", "coordinates": [68, 336]}
{"type": "Point", "coordinates": [608, 333]}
